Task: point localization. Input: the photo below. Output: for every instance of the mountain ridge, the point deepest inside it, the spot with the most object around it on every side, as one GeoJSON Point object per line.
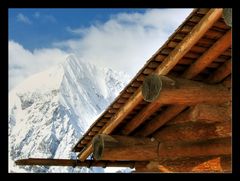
{"type": "Point", "coordinates": [51, 110]}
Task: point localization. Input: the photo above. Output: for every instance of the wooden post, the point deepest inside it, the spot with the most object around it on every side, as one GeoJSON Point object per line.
{"type": "Point", "coordinates": [227, 16]}
{"type": "Point", "coordinates": [122, 148]}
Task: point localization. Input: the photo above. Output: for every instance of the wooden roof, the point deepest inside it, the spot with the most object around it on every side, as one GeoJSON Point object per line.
{"type": "Point", "coordinates": [215, 33]}
{"type": "Point", "coordinates": [197, 56]}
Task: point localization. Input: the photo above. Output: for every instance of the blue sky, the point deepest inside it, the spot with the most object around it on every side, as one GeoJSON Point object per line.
{"type": "Point", "coordinates": [121, 39]}
{"type": "Point", "coordinates": [37, 28]}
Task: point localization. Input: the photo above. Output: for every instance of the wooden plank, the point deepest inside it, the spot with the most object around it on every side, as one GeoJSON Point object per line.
{"type": "Point", "coordinates": [88, 137]}
{"type": "Point", "coordinates": [160, 120]}
{"type": "Point", "coordinates": [141, 77]}
{"type": "Point", "coordinates": [84, 142]}
{"type": "Point", "coordinates": [193, 132]}
{"type": "Point", "coordinates": [153, 64]}
{"type": "Point", "coordinates": [183, 47]}
{"type": "Point", "coordinates": [74, 163]}
{"type": "Point", "coordinates": [117, 105]}
{"type": "Point", "coordinates": [218, 25]}
{"type": "Point", "coordinates": [119, 148]}
{"type": "Point", "coordinates": [122, 100]}
{"type": "Point", "coordinates": [198, 31]}
{"type": "Point", "coordinates": [124, 95]}
{"type": "Point", "coordinates": [221, 73]}
{"type": "Point", "coordinates": [211, 34]}
{"type": "Point", "coordinates": [205, 42]}
{"type": "Point", "coordinates": [186, 61]}
{"type": "Point", "coordinates": [139, 118]}
{"type": "Point", "coordinates": [208, 57]}
{"type": "Point", "coordinates": [136, 84]}
{"type": "Point", "coordinates": [148, 71]}
{"type": "Point", "coordinates": [203, 113]}
{"type": "Point", "coordinates": [92, 133]}
{"type": "Point", "coordinates": [104, 120]}
{"type": "Point", "coordinates": [131, 89]}
{"type": "Point", "coordinates": [113, 110]}
{"type": "Point", "coordinates": [189, 54]}
{"type": "Point", "coordinates": [96, 129]}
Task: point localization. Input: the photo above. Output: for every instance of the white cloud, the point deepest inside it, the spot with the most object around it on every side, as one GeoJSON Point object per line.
{"type": "Point", "coordinates": [23, 63]}
{"type": "Point", "coordinates": [127, 40]}
{"type": "Point", "coordinates": [79, 31]}
{"type": "Point", "coordinates": [24, 19]}
{"type": "Point", "coordinates": [45, 17]}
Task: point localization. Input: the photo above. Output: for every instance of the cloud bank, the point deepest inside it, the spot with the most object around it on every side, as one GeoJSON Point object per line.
{"type": "Point", "coordinates": [23, 63]}
{"type": "Point", "coordinates": [124, 43]}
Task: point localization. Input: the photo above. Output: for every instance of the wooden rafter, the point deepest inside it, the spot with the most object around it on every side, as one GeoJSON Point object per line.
{"type": "Point", "coordinates": [221, 73]}
{"type": "Point", "coordinates": [184, 92]}
{"type": "Point", "coordinates": [199, 65]}
{"type": "Point", "coordinates": [209, 56]}
{"type": "Point", "coordinates": [198, 31]}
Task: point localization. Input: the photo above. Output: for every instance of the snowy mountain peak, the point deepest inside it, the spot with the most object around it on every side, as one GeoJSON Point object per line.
{"type": "Point", "coordinates": [49, 111]}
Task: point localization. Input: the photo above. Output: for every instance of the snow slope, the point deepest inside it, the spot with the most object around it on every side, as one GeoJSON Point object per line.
{"type": "Point", "coordinates": [51, 110]}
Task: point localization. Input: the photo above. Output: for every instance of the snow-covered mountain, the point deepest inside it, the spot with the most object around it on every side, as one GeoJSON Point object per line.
{"type": "Point", "coordinates": [49, 111]}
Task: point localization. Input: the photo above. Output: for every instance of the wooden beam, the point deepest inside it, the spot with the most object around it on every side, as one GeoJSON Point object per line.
{"type": "Point", "coordinates": [186, 44]}
{"type": "Point", "coordinates": [228, 82]}
{"type": "Point", "coordinates": [204, 113]}
{"type": "Point", "coordinates": [140, 118]}
{"type": "Point", "coordinates": [73, 163]}
{"type": "Point", "coordinates": [196, 165]}
{"type": "Point", "coordinates": [144, 149]}
{"type": "Point", "coordinates": [105, 146]}
{"type": "Point", "coordinates": [160, 120]}
{"type": "Point", "coordinates": [209, 56]}
{"type": "Point", "coordinates": [221, 73]}
{"type": "Point", "coordinates": [152, 86]}
{"type": "Point", "coordinates": [188, 92]}
{"type": "Point", "coordinates": [193, 132]}
{"type": "Point", "coordinates": [174, 91]}
{"type": "Point", "coordinates": [198, 31]}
